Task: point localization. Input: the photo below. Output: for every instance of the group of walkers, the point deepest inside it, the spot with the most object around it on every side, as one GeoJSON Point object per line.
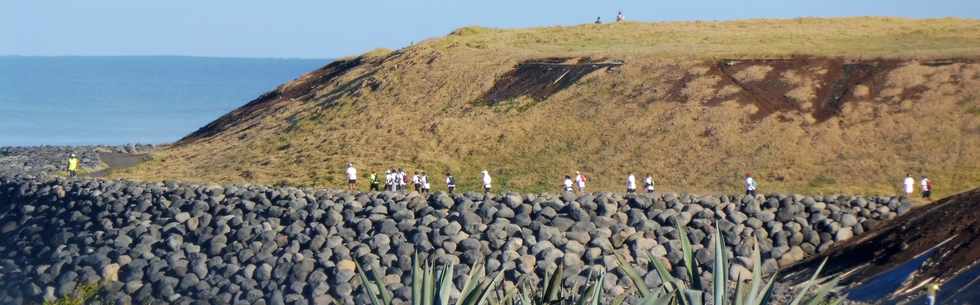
{"type": "Point", "coordinates": [925, 184]}
{"type": "Point", "coordinates": [648, 184]}
{"type": "Point", "coordinates": [397, 179]}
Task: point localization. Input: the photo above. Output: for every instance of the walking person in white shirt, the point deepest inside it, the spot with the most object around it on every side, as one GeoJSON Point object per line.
{"type": "Point", "coordinates": [926, 185]}
{"type": "Point", "coordinates": [909, 184]}
{"type": "Point", "coordinates": [567, 184]}
{"type": "Point", "coordinates": [648, 183]}
{"type": "Point", "coordinates": [417, 182]}
{"type": "Point", "coordinates": [580, 180]}
{"type": "Point", "coordinates": [631, 184]}
{"type": "Point", "coordinates": [750, 185]}
{"type": "Point", "coordinates": [351, 177]}
{"type": "Point", "coordinates": [486, 181]}
{"type": "Point", "coordinates": [450, 182]}
{"type": "Point", "coordinates": [402, 180]}
{"type": "Point", "coordinates": [425, 183]}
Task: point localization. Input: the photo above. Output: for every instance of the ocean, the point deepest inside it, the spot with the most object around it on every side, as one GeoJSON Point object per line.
{"type": "Point", "coordinates": [116, 100]}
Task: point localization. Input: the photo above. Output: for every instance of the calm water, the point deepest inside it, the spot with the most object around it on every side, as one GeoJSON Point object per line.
{"type": "Point", "coordinates": [119, 100]}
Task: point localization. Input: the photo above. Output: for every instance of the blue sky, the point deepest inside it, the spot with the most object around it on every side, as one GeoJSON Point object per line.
{"type": "Point", "coordinates": [327, 29]}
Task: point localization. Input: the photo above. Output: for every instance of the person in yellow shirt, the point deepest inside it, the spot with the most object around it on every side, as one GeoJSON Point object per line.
{"type": "Point", "coordinates": [932, 291]}
{"type": "Point", "coordinates": [72, 165]}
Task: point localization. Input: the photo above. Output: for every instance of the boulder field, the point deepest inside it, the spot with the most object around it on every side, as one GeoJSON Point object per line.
{"type": "Point", "coordinates": [186, 244]}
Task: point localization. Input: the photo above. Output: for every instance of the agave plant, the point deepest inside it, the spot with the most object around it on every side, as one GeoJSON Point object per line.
{"type": "Point", "coordinates": [552, 292]}
{"type": "Point", "coordinates": [433, 286]}
{"type": "Point", "coordinates": [674, 291]}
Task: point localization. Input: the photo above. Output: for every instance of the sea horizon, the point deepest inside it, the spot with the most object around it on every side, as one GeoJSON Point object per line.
{"type": "Point", "coordinates": [113, 100]}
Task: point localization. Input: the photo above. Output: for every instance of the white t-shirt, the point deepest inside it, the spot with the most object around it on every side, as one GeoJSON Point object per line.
{"type": "Point", "coordinates": [580, 180]}
{"type": "Point", "coordinates": [909, 185]}
{"type": "Point", "coordinates": [401, 178]}
{"type": "Point", "coordinates": [750, 184]}
{"type": "Point", "coordinates": [649, 182]}
{"type": "Point", "coordinates": [631, 182]}
{"type": "Point", "coordinates": [351, 173]}
{"type": "Point", "coordinates": [425, 182]}
{"type": "Point", "coordinates": [925, 185]}
{"type": "Point", "coordinates": [486, 180]}
{"type": "Point", "coordinates": [568, 183]}
{"type": "Point", "coordinates": [416, 179]}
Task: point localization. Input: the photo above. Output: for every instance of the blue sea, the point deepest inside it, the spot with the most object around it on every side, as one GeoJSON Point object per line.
{"type": "Point", "coordinates": [129, 99]}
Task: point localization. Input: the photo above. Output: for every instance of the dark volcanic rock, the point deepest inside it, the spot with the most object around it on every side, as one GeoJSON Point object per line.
{"type": "Point", "coordinates": [184, 243]}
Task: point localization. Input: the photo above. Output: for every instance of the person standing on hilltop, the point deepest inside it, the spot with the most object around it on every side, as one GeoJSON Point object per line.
{"type": "Point", "coordinates": [620, 17]}
{"type": "Point", "coordinates": [926, 185]}
{"type": "Point", "coordinates": [72, 165]}
{"type": "Point", "coordinates": [486, 181]}
{"type": "Point", "coordinates": [351, 177]}
{"type": "Point", "coordinates": [580, 180]}
{"type": "Point", "coordinates": [648, 183]}
{"type": "Point", "coordinates": [909, 184]}
{"type": "Point", "coordinates": [375, 184]}
{"type": "Point", "coordinates": [567, 184]}
{"type": "Point", "coordinates": [598, 20]}
{"type": "Point", "coordinates": [450, 182]}
{"type": "Point", "coordinates": [750, 185]}
{"type": "Point", "coordinates": [631, 184]}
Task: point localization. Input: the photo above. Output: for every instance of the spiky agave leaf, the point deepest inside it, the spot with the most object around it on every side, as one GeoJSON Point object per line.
{"type": "Point", "coordinates": [472, 282]}
{"type": "Point", "coordinates": [592, 294]}
{"type": "Point", "coordinates": [552, 291]}
{"type": "Point", "coordinates": [634, 277]}
{"type": "Point", "coordinates": [444, 285]}
{"type": "Point", "coordinates": [666, 279]}
{"type": "Point", "coordinates": [721, 270]}
{"type": "Point", "coordinates": [688, 255]}
{"type": "Point", "coordinates": [756, 284]}
{"type": "Point", "coordinates": [808, 284]}
{"type": "Point", "coordinates": [428, 284]}
{"type": "Point", "coordinates": [478, 295]}
{"type": "Point", "coordinates": [417, 274]}
{"type": "Point", "coordinates": [368, 285]}
{"type": "Point", "coordinates": [824, 290]}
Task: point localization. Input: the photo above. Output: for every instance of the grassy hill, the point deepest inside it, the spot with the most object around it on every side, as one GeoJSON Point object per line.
{"type": "Point", "coordinates": [809, 105]}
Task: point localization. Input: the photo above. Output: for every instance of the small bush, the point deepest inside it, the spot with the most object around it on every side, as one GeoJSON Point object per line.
{"type": "Point", "coordinates": [84, 294]}
{"type": "Point", "coordinates": [822, 181]}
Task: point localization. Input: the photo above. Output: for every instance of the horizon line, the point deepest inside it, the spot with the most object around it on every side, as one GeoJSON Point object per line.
{"type": "Point", "coordinates": [170, 56]}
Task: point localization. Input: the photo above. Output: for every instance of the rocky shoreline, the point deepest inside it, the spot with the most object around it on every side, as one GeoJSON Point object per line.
{"type": "Point", "coordinates": [48, 160]}
{"type": "Point", "coordinates": [186, 243]}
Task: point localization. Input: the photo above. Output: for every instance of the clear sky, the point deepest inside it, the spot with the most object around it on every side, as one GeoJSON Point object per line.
{"type": "Point", "coordinates": [328, 29]}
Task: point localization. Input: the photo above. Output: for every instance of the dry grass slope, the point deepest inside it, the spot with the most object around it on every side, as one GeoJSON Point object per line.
{"type": "Point", "coordinates": [807, 105]}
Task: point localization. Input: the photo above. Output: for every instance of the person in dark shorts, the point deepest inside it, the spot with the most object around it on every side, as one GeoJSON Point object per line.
{"type": "Point", "coordinates": [351, 177]}
{"type": "Point", "coordinates": [375, 184]}
{"type": "Point", "coordinates": [450, 182]}
{"type": "Point", "coordinates": [926, 185]}
{"type": "Point", "coordinates": [750, 185]}
{"type": "Point", "coordinates": [72, 165]}
{"type": "Point", "coordinates": [417, 182]}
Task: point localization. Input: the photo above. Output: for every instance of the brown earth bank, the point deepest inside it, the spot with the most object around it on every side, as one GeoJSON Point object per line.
{"type": "Point", "coordinates": [842, 110]}
{"type": "Point", "coordinates": [938, 243]}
